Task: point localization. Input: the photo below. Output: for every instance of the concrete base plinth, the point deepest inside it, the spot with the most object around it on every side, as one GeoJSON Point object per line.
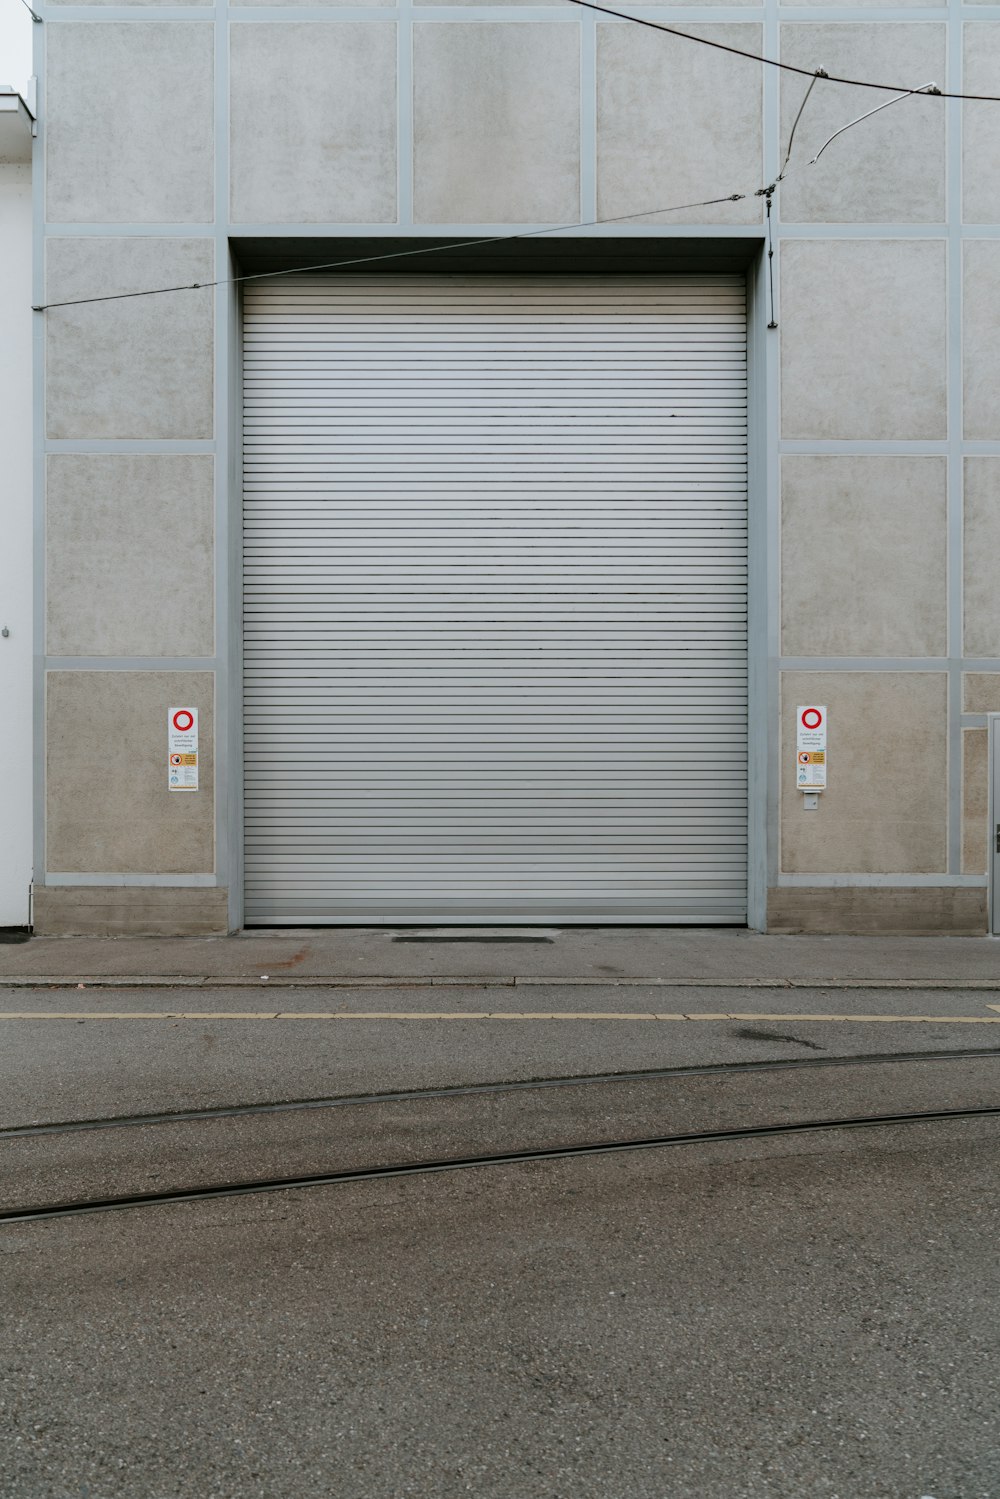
{"type": "Point", "coordinates": [880, 910]}
{"type": "Point", "coordinates": [129, 911]}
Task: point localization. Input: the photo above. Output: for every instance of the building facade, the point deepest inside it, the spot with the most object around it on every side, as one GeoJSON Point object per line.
{"type": "Point", "coordinates": [16, 522]}
{"type": "Point", "coordinates": [497, 574]}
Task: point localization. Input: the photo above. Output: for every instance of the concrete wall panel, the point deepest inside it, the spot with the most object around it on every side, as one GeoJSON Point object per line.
{"type": "Point", "coordinates": [327, 152]}
{"type": "Point", "coordinates": [57, 3]}
{"type": "Point", "coordinates": [981, 338]}
{"type": "Point", "coordinates": [889, 169]}
{"type": "Point", "coordinates": [834, 5]}
{"type": "Point", "coordinates": [856, 362]}
{"type": "Point", "coordinates": [317, 4]}
{"type": "Point", "coordinates": [650, 97]}
{"type": "Point", "coordinates": [109, 809]}
{"type": "Point", "coordinates": [129, 135]}
{"type": "Point", "coordinates": [140, 368]}
{"type": "Point", "coordinates": [981, 692]}
{"type": "Point", "coordinates": [980, 137]}
{"type": "Point", "coordinates": [863, 556]}
{"type": "Point", "coordinates": [982, 547]}
{"type": "Point", "coordinates": [886, 806]}
{"type": "Point", "coordinates": [130, 559]}
{"type": "Point", "coordinates": [975, 800]}
{"type": "Point", "coordinates": [496, 122]}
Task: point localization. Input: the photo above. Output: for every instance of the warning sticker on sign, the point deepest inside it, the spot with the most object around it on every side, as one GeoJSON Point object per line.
{"type": "Point", "coordinates": [810, 747]}
{"type": "Point", "coordinates": [182, 749]}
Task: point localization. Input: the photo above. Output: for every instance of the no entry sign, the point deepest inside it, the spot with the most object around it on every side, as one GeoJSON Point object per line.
{"type": "Point", "coordinates": [810, 747]}
{"type": "Point", "coordinates": [182, 749]}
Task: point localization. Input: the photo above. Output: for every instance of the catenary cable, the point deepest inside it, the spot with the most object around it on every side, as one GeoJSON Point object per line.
{"type": "Point", "coordinates": [773, 62]}
{"type": "Point", "coordinates": [332, 265]}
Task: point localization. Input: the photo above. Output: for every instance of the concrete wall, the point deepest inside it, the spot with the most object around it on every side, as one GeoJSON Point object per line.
{"type": "Point", "coordinates": [877, 479]}
{"type": "Point", "coordinates": [16, 591]}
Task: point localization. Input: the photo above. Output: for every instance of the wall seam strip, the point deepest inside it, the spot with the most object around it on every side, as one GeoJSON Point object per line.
{"type": "Point", "coordinates": [953, 127]}
{"type": "Point", "coordinates": [38, 376]}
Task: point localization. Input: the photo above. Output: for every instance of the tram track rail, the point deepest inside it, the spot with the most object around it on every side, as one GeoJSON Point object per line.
{"type": "Point", "coordinates": [428, 1164]}
{"type": "Point", "coordinates": [254, 1186]}
{"type": "Point", "coordinates": [462, 1090]}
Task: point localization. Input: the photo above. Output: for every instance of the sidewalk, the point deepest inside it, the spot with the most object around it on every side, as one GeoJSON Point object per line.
{"type": "Point", "coordinates": [592, 955]}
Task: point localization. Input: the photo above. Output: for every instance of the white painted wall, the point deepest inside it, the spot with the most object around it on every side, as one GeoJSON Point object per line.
{"type": "Point", "coordinates": [15, 45]}
{"type": "Point", "coordinates": [15, 543]}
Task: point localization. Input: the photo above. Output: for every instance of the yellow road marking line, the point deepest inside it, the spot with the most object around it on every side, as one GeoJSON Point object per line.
{"type": "Point", "coordinates": [628, 1016]}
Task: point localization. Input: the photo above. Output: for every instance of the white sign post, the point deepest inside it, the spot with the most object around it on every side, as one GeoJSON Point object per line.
{"type": "Point", "coordinates": [182, 749]}
{"type": "Point", "coordinates": [810, 748]}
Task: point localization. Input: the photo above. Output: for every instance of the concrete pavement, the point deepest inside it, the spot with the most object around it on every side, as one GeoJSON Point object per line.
{"type": "Point", "coordinates": [599, 954]}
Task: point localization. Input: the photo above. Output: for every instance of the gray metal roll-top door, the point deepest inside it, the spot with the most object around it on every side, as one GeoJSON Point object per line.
{"type": "Point", "coordinates": [495, 631]}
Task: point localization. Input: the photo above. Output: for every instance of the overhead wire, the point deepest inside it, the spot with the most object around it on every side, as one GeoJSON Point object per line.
{"type": "Point", "coordinates": [928, 88]}
{"type": "Point", "coordinates": [774, 62]}
{"type": "Point", "coordinates": [332, 265]}
{"type": "Point", "coordinates": [819, 73]}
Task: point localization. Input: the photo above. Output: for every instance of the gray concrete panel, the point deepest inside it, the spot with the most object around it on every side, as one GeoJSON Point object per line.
{"type": "Point", "coordinates": [321, 4]}
{"type": "Point", "coordinates": [885, 807]}
{"type": "Point", "coordinates": [864, 556]}
{"type": "Point", "coordinates": [108, 805]}
{"type": "Point", "coordinates": [129, 126]}
{"type": "Point", "coordinates": [981, 691]}
{"type": "Point", "coordinates": [890, 169]}
{"type": "Point", "coordinates": [836, 5]}
{"type": "Point", "coordinates": [138, 368]}
{"type": "Point", "coordinates": [130, 555]}
{"type": "Point", "coordinates": [981, 339]}
{"type": "Point", "coordinates": [91, 3]}
{"type": "Point", "coordinates": [975, 800]}
{"type": "Point", "coordinates": [328, 151]}
{"type": "Point", "coordinates": [855, 360]}
{"type": "Point", "coordinates": [496, 122]}
{"type": "Point", "coordinates": [650, 97]}
{"type": "Point", "coordinates": [980, 137]}
{"type": "Point", "coordinates": [981, 548]}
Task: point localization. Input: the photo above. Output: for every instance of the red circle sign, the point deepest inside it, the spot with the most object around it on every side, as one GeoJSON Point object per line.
{"type": "Point", "coordinates": [183, 720]}
{"type": "Point", "coordinates": [812, 718]}
{"type": "Point", "coordinates": [175, 759]}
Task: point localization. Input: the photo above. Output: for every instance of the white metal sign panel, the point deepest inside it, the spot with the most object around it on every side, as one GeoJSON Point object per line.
{"type": "Point", "coordinates": [810, 747]}
{"type": "Point", "coordinates": [182, 749]}
{"type": "Point", "coordinates": [495, 599]}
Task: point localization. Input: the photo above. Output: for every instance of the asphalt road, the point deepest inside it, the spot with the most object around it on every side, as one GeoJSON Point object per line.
{"type": "Point", "coordinates": [782, 1318]}
{"type": "Point", "coordinates": [217, 1047]}
{"type": "Point", "coordinates": [809, 1317]}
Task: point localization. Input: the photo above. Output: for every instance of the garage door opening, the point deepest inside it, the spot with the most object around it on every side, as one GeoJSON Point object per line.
{"type": "Point", "coordinates": [495, 599]}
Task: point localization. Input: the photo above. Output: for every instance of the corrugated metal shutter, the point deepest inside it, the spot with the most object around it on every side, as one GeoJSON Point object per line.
{"type": "Point", "coordinates": [495, 599]}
